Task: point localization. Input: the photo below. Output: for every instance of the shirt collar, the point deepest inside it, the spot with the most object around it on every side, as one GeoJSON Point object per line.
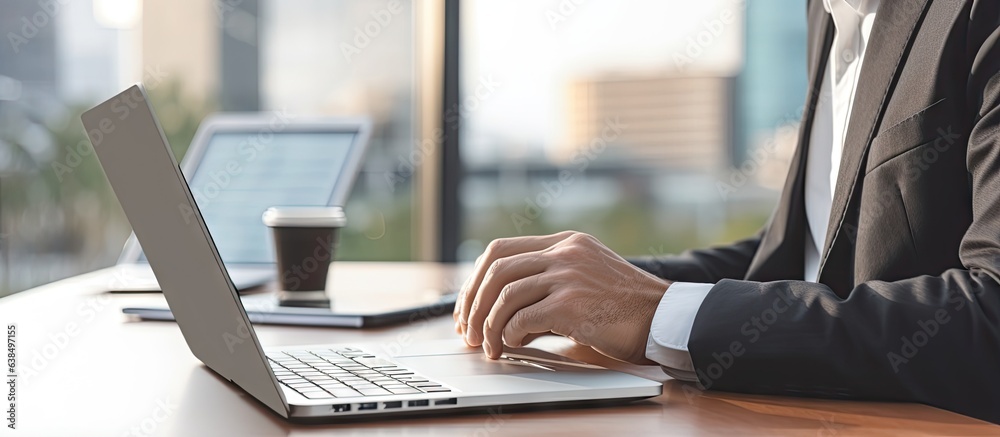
{"type": "Point", "coordinates": [861, 7]}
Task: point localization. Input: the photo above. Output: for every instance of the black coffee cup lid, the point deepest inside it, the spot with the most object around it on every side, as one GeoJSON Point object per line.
{"type": "Point", "coordinates": [304, 216]}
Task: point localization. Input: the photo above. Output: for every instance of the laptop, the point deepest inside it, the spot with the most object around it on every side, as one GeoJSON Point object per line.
{"type": "Point", "coordinates": [230, 168]}
{"type": "Point", "coordinates": [327, 382]}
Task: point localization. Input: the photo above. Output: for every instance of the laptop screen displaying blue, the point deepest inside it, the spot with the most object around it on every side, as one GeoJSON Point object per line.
{"type": "Point", "coordinates": [240, 175]}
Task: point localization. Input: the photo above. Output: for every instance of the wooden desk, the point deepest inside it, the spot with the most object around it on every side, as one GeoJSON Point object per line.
{"type": "Point", "coordinates": [88, 370]}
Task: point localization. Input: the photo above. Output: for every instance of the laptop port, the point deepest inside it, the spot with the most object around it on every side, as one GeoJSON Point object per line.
{"type": "Point", "coordinates": [422, 403]}
{"type": "Point", "coordinates": [340, 408]}
{"type": "Point", "coordinates": [450, 401]}
{"type": "Point", "coordinates": [394, 404]}
{"type": "Point", "coordinates": [368, 406]}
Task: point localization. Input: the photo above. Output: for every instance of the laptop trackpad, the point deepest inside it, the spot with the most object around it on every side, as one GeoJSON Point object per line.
{"type": "Point", "coordinates": [461, 365]}
{"type": "Point", "coordinates": [455, 346]}
{"type": "Point", "coordinates": [454, 355]}
{"type": "Point", "coordinates": [477, 365]}
{"type": "Point", "coordinates": [480, 374]}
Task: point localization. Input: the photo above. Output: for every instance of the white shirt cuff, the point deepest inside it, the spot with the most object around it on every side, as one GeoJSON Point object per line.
{"type": "Point", "coordinates": [671, 328]}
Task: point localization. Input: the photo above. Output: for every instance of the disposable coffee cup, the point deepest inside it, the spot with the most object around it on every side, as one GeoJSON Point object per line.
{"type": "Point", "coordinates": [305, 242]}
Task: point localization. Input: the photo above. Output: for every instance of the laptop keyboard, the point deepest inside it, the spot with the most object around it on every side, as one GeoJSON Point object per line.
{"type": "Point", "coordinates": [345, 373]}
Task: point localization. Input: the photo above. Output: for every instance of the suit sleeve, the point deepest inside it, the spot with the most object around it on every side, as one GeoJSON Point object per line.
{"type": "Point", "coordinates": [704, 265]}
{"type": "Point", "coordinates": [928, 339]}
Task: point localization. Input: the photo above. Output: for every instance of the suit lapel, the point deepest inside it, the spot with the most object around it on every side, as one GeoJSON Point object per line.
{"type": "Point", "coordinates": [894, 27]}
{"type": "Point", "coordinates": [785, 236]}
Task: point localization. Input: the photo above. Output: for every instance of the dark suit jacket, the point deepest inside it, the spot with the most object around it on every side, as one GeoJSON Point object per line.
{"type": "Point", "coordinates": [907, 306]}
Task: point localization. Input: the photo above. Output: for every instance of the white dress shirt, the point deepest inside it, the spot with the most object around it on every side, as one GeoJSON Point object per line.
{"type": "Point", "coordinates": [671, 328]}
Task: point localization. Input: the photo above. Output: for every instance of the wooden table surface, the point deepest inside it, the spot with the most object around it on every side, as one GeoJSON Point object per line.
{"type": "Point", "coordinates": [86, 369]}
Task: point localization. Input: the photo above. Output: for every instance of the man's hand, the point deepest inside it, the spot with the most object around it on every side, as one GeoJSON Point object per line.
{"type": "Point", "coordinates": [568, 284]}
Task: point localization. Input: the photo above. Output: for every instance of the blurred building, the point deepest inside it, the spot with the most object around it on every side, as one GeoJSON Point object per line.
{"type": "Point", "coordinates": [668, 122]}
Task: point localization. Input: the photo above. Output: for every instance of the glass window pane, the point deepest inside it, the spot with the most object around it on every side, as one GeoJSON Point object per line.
{"type": "Point", "coordinates": [351, 58]}
{"type": "Point", "coordinates": [58, 216]}
{"type": "Point", "coordinates": [625, 119]}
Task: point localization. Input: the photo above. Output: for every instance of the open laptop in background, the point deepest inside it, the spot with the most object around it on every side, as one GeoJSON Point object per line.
{"type": "Point", "coordinates": [320, 382]}
{"type": "Point", "coordinates": [237, 166]}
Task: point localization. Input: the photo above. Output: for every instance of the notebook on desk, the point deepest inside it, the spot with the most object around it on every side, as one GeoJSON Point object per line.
{"type": "Point", "coordinates": [357, 313]}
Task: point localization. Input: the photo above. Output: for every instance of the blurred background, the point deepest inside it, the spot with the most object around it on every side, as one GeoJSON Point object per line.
{"type": "Point", "coordinates": [655, 125]}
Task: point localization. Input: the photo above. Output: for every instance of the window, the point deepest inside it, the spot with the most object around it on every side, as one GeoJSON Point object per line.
{"type": "Point", "coordinates": [629, 120]}
{"type": "Point", "coordinates": [58, 217]}
{"type": "Point", "coordinates": [656, 125]}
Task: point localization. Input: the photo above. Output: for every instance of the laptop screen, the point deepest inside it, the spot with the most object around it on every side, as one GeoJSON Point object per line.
{"type": "Point", "coordinates": [239, 175]}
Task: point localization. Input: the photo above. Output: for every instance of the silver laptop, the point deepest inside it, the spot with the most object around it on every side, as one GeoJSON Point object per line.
{"type": "Point", "coordinates": [230, 168]}
{"type": "Point", "coordinates": [325, 382]}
